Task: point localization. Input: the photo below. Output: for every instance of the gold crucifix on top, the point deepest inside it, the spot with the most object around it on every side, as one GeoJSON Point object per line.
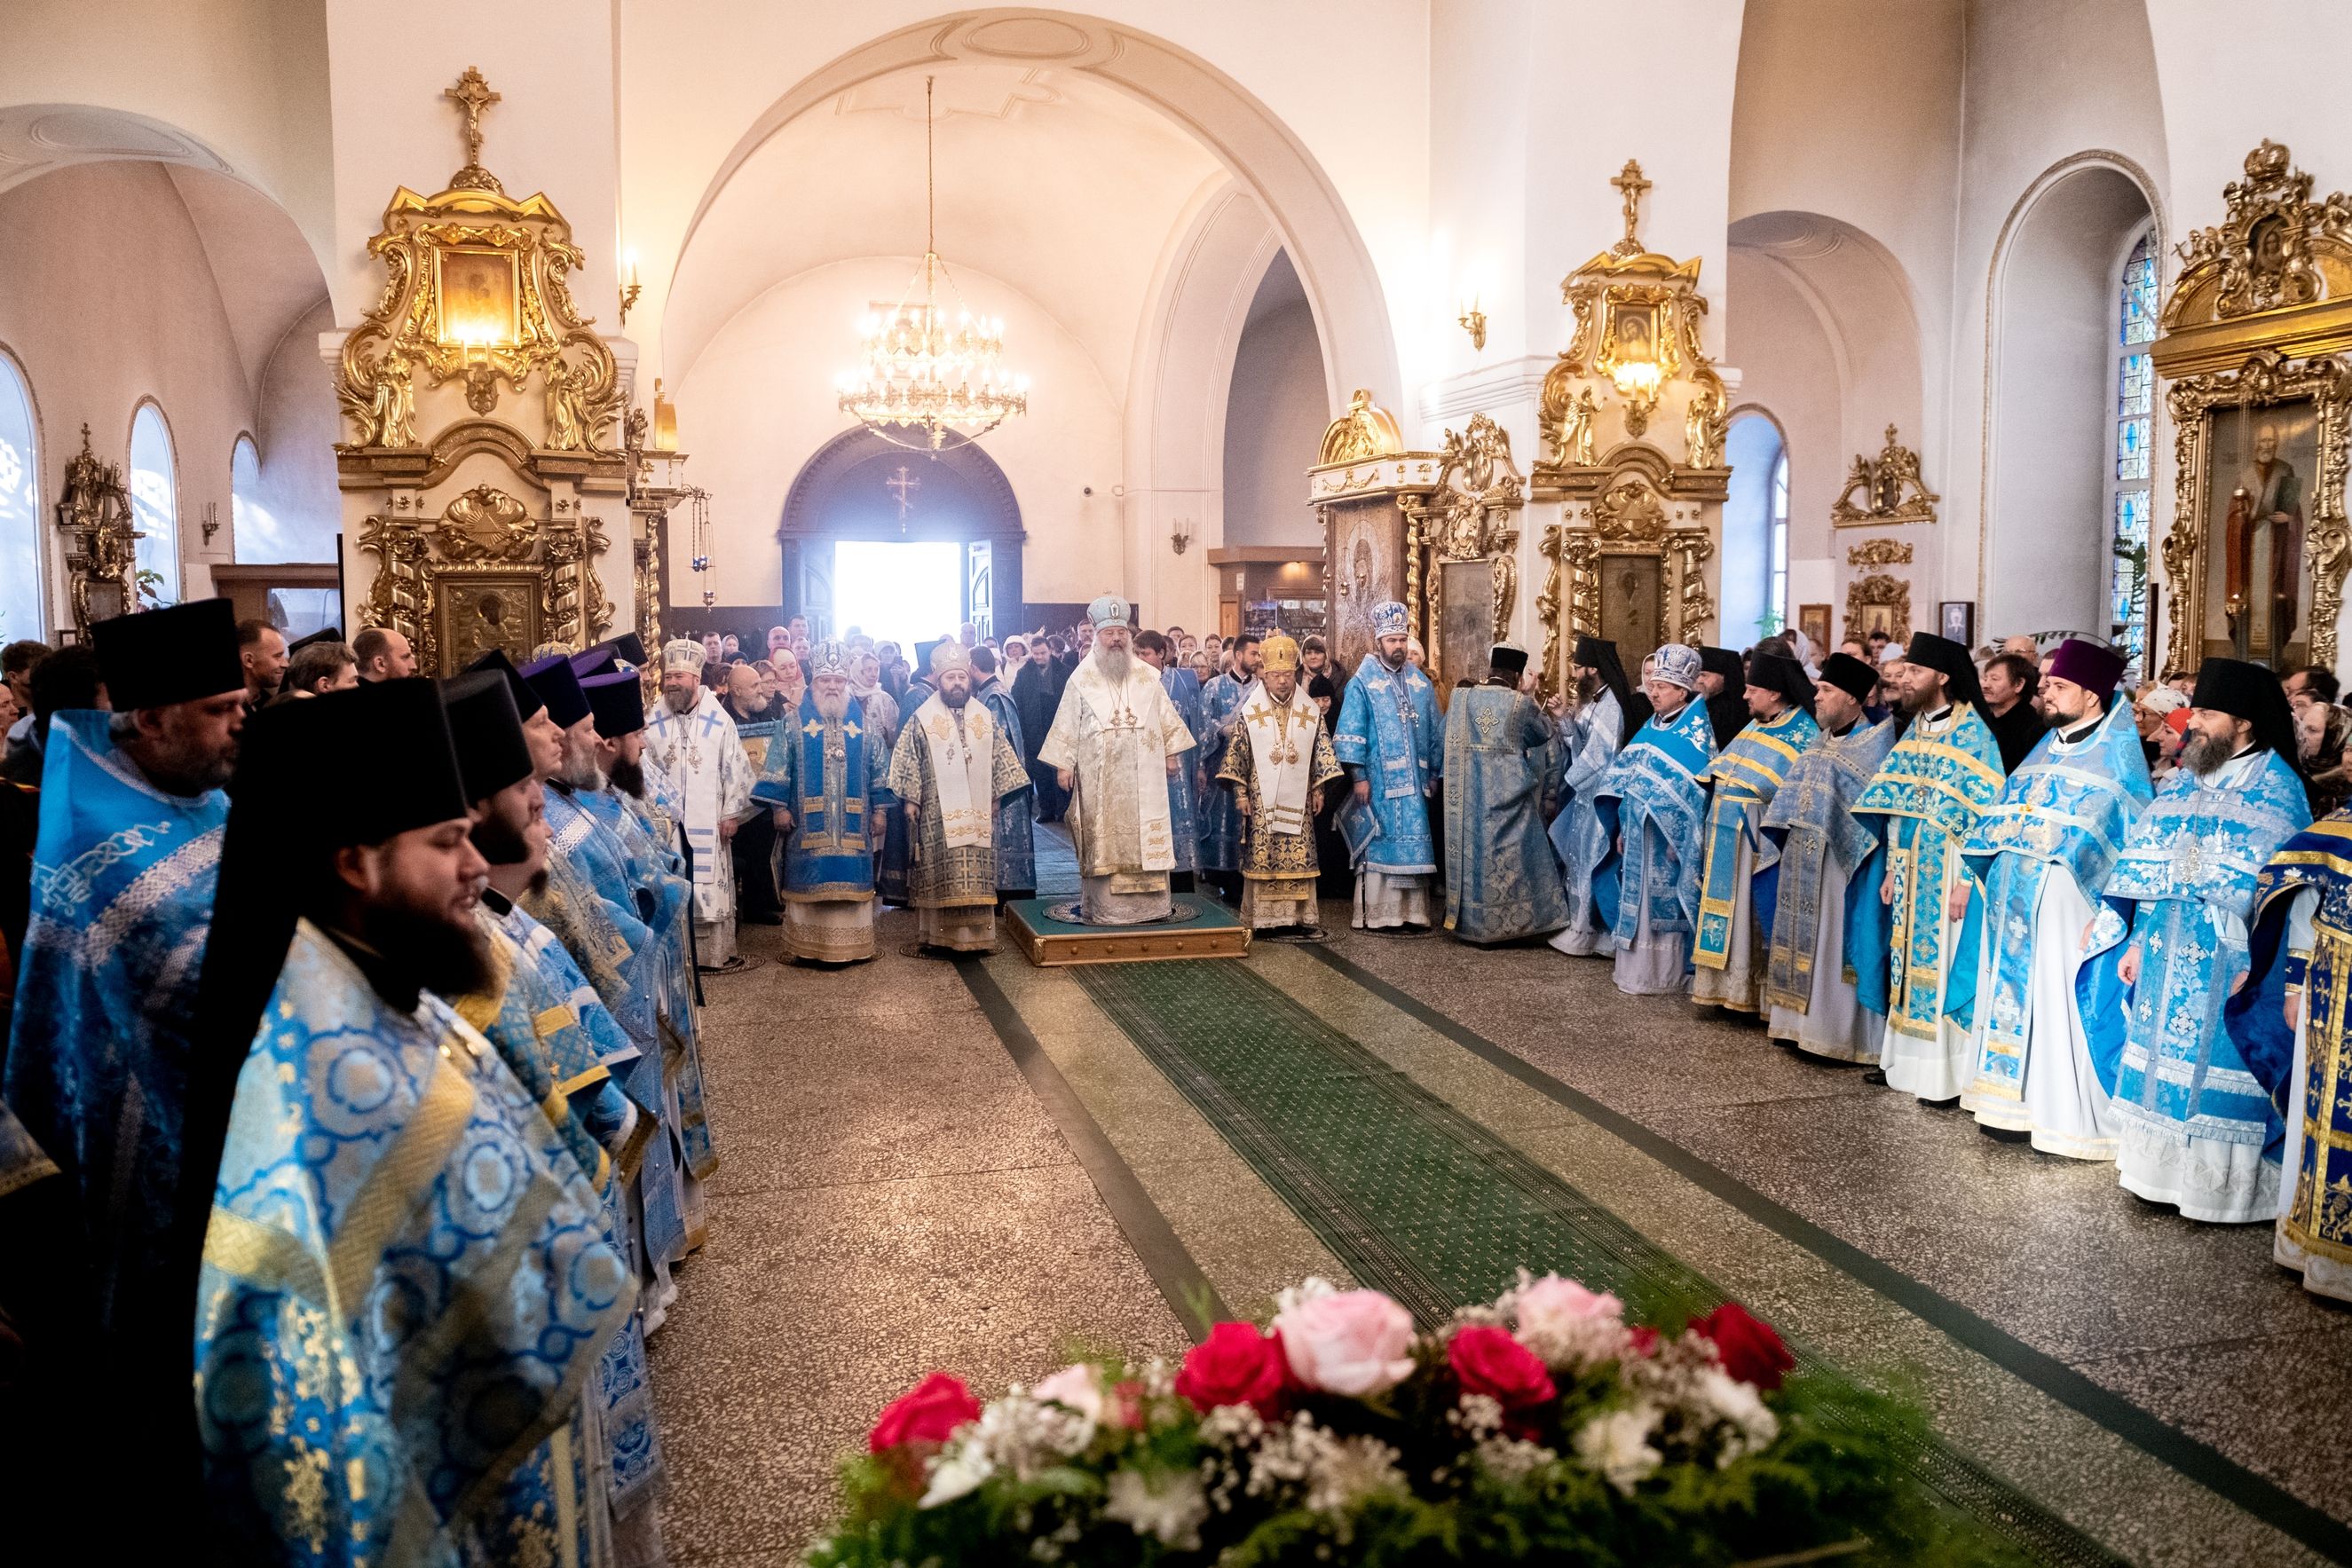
{"type": "Point", "coordinates": [1630, 182]}
{"type": "Point", "coordinates": [473, 94]}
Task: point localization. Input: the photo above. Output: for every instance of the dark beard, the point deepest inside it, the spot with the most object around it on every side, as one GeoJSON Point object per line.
{"type": "Point", "coordinates": [955, 700]}
{"type": "Point", "coordinates": [449, 960]}
{"type": "Point", "coordinates": [1397, 663]}
{"type": "Point", "coordinates": [498, 842]}
{"type": "Point", "coordinates": [628, 777]}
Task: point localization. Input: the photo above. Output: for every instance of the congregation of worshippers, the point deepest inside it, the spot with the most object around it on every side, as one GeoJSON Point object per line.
{"type": "Point", "coordinates": [295, 935]}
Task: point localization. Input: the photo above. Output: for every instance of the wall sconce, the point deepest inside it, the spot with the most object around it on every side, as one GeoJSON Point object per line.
{"type": "Point", "coordinates": [1472, 321]}
{"type": "Point", "coordinates": [629, 289]}
{"type": "Point", "coordinates": [212, 522]}
{"type": "Point", "coordinates": [1182, 535]}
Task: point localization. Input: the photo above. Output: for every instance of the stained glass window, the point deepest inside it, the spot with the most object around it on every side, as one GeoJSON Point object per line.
{"type": "Point", "coordinates": [2134, 417]}
{"type": "Point", "coordinates": [20, 512]}
{"type": "Point", "coordinates": [156, 507]}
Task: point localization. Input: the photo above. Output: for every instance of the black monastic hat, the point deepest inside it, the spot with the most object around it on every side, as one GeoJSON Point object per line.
{"type": "Point", "coordinates": [2251, 693]}
{"type": "Point", "coordinates": [618, 701]}
{"type": "Point", "coordinates": [1633, 706]}
{"type": "Point", "coordinates": [324, 634]}
{"type": "Point", "coordinates": [1850, 675]}
{"type": "Point", "coordinates": [526, 700]}
{"type": "Point", "coordinates": [1775, 672]}
{"type": "Point", "coordinates": [558, 688]}
{"type": "Point", "coordinates": [486, 731]}
{"type": "Point", "coordinates": [1722, 662]}
{"type": "Point", "coordinates": [1948, 659]}
{"type": "Point", "coordinates": [181, 654]}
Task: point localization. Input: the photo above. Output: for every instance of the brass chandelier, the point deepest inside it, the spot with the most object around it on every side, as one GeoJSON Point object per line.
{"type": "Point", "coordinates": [928, 376]}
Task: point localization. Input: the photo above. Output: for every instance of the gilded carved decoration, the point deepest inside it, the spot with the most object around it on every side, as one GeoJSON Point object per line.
{"type": "Point", "coordinates": [1879, 552]}
{"type": "Point", "coordinates": [1631, 515]}
{"type": "Point", "coordinates": [1366, 430]}
{"type": "Point", "coordinates": [1876, 602]}
{"type": "Point", "coordinates": [1472, 516]}
{"type": "Point", "coordinates": [1890, 487]}
{"type": "Point", "coordinates": [483, 574]}
{"type": "Point", "coordinates": [2260, 397]}
{"type": "Point", "coordinates": [94, 514]}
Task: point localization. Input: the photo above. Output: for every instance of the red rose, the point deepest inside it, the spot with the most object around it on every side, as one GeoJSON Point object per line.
{"type": "Point", "coordinates": [1643, 1343]}
{"type": "Point", "coordinates": [928, 1413]}
{"type": "Point", "coordinates": [1235, 1365]}
{"type": "Point", "coordinates": [1750, 1350]}
{"type": "Point", "coordinates": [1489, 1360]}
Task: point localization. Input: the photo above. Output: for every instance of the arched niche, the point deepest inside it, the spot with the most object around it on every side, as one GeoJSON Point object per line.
{"type": "Point", "coordinates": [852, 489]}
{"type": "Point", "coordinates": [2049, 422]}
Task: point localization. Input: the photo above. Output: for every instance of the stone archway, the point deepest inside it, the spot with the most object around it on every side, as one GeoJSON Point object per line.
{"type": "Point", "coordinates": [853, 488]}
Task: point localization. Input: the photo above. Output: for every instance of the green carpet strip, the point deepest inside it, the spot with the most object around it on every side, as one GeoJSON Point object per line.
{"type": "Point", "coordinates": [1429, 1205]}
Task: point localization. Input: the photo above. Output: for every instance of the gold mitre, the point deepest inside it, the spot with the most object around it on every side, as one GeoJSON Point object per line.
{"type": "Point", "coordinates": [1278, 654]}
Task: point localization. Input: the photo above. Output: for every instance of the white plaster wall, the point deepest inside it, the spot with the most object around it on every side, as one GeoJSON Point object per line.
{"type": "Point", "coordinates": [1789, 368]}
{"type": "Point", "coordinates": [760, 402]}
{"type": "Point", "coordinates": [245, 78]}
{"type": "Point", "coordinates": [1274, 426]}
{"type": "Point", "coordinates": [107, 297]}
{"type": "Point", "coordinates": [296, 426]}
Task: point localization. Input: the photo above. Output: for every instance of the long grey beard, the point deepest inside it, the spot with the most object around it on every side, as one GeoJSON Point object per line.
{"type": "Point", "coordinates": [1113, 662]}
{"type": "Point", "coordinates": [2204, 754]}
{"type": "Point", "coordinates": [835, 708]}
{"type": "Point", "coordinates": [583, 774]}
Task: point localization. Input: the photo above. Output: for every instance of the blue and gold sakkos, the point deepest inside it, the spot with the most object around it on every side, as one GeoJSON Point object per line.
{"type": "Point", "coordinates": [836, 781]}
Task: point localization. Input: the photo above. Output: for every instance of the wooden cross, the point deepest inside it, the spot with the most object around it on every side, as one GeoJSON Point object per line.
{"type": "Point", "coordinates": [1630, 182]}
{"type": "Point", "coordinates": [473, 94]}
{"type": "Point", "coordinates": [903, 486]}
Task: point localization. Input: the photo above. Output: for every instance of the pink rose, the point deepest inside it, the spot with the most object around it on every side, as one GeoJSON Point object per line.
{"type": "Point", "coordinates": [928, 1413]}
{"type": "Point", "coordinates": [1748, 1347]}
{"type": "Point", "coordinates": [1569, 1326]}
{"type": "Point", "coordinates": [1234, 1365]}
{"type": "Point", "coordinates": [1355, 1343]}
{"type": "Point", "coordinates": [1554, 1301]}
{"type": "Point", "coordinates": [1489, 1360]}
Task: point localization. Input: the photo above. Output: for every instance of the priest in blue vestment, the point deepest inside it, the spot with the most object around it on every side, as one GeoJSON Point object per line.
{"type": "Point", "coordinates": [828, 783]}
{"type": "Point", "coordinates": [2288, 1021]}
{"type": "Point", "coordinates": [131, 812]}
{"type": "Point", "coordinates": [1502, 770]}
{"type": "Point", "coordinates": [2198, 1129]}
{"type": "Point", "coordinates": [1183, 689]}
{"type": "Point", "coordinates": [407, 1285]}
{"type": "Point", "coordinates": [1653, 809]}
{"type": "Point", "coordinates": [564, 1047]}
{"type": "Point", "coordinates": [1809, 984]}
{"type": "Point", "coordinates": [1915, 950]}
{"type": "Point", "coordinates": [1740, 877]}
{"type": "Point", "coordinates": [2043, 853]}
{"type": "Point", "coordinates": [1387, 739]}
{"type": "Point", "coordinates": [1220, 709]}
{"type": "Point", "coordinates": [1610, 712]}
{"type": "Point", "coordinates": [1016, 851]}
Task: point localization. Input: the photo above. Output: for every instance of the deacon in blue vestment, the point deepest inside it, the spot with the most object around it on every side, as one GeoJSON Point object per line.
{"type": "Point", "coordinates": [407, 1282]}
{"type": "Point", "coordinates": [1502, 772]}
{"type": "Point", "coordinates": [1219, 710]}
{"type": "Point", "coordinates": [2043, 854]}
{"type": "Point", "coordinates": [828, 783]}
{"type": "Point", "coordinates": [1915, 950]}
{"type": "Point", "coordinates": [1183, 689]}
{"type": "Point", "coordinates": [1016, 851]}
{"type": "Point", "coordinates": [2288, 1021]}
{"type": "Point", "coordinates": [1653, 809]}
{"type": "Point", "coordinates": [1808, 982]}
{"type": "Point", "coordinates": [123, 868]}
{"type": "Point", "coordinates": [1610, 712]}
{"type": "Point", "coordinates": [1739, 879]}
{"type": "Point", "coordinates": [2198, 1129]}
{"type": "Point", "coordinates": [1387, 739]}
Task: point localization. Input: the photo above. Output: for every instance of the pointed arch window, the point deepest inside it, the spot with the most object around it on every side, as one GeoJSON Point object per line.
{"type": "Point", "coordinates": [21, 577]}
{"type": "Point", "coordinates": [2133, 382]}
{"type": "Point", "coordinates": [155, 506]}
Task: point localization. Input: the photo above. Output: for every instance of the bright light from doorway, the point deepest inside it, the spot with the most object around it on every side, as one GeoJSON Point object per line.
{"type": "Point", "coordinates": [908, 594]}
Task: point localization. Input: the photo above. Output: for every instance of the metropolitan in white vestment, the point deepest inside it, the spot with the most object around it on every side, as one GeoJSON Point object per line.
{"type": "Point", "coordinates": [2043, 854]}
{"type": "Point", "coordinates": [1115, 740]}
{"type": "Point", "coordinates": [697, 764]}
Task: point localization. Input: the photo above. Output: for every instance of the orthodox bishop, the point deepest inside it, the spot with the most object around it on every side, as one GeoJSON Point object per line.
{"type": "Point", "coordinates": [1115, 740]}
{"type": "Point", "coordinates": [1388, 741]}
{"type": "Point", "coordinates": [1652, 808]}
{"type": "Point", "coordinates": [828, 782]}
{"type": "Point", "coordinates": [952, 767]}
{"type": "Point", "coordinates": [1278, 761]}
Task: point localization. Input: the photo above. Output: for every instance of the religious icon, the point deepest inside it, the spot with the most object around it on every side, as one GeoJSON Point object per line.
{"type": "Point", "coordinates": [1635, 334]}
{"type": "Point", "coordinates": [1813, 621]}
{"type": "Point", "coordinates": [1956, 619]}
{"type": "Point", "coordinates": [2257, 504]}
{"type": "Point", "coordinates": [477, 295]}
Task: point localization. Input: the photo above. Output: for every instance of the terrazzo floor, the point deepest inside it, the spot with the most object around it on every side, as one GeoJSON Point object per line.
{"type": "Point", "coordinates": [928, 1165]}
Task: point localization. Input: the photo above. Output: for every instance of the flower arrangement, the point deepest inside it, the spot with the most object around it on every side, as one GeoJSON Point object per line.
{"type": "Point", "coordinates": [1540, 1426]}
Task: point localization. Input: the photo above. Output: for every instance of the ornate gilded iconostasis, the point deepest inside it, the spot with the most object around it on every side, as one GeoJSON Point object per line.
{"type": "Point", "coordinates": [1881, 524]}
{"type": "Point", "coordinates": [2252, 350]}
{"type": "Point", "coordinates": [496, 493]}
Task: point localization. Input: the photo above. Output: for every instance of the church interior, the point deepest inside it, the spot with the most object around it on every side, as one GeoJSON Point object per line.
{"type": "Point", "coordinates": [527, 326]}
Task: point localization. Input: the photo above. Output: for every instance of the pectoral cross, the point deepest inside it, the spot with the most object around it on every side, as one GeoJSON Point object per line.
{"type": "Point", "coordinates": [1629, 181]}
{"type": "Point", "coordinates": [903, 486]}
{"type": "Point", "coordinates": [473, 94]}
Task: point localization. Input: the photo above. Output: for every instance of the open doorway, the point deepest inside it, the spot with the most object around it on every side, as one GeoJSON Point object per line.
{"type": "Point", "coordinates": [907, 593]}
